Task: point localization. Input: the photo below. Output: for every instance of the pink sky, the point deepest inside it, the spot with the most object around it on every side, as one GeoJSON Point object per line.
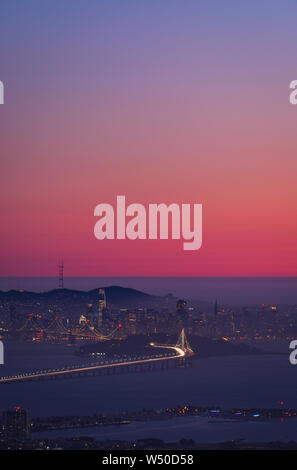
{"type": "Point", "coordinates": [170, 118]}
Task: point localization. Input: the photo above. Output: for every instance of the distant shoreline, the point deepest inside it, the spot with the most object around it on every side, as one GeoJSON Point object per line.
{"type": "Point", "coordinates": [227, 290]}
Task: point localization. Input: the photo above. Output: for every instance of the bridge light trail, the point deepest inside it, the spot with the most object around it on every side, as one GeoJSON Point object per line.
{"type": "Point", "coordinates": [85, 368]}
{"type": "Point", "coordinates": [181, 349]}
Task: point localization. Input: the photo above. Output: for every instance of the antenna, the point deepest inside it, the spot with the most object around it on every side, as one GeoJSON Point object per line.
{"type": "Point", "coordinates": [61, 275]}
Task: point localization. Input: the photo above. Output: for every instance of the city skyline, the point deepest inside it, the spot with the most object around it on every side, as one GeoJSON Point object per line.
{"type": "Point", "coordinates": [148, 257]}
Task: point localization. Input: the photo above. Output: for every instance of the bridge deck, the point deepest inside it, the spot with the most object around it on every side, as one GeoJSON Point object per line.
{"type": "Point", "coordinates": [80, 369]}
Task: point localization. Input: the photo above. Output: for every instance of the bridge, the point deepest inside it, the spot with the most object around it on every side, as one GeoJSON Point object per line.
{"type": "Point", "coordinates": [180, 352]}
{"type": "Point", "coordinates": [57, 328]}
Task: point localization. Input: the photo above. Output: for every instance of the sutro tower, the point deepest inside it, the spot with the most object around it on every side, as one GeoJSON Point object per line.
{"type": "Point", "coordinates": [61, 275]}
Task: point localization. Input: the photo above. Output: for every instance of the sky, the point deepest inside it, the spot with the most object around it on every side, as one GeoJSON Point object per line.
{"type": "Point", "coordinates": [172, 101]}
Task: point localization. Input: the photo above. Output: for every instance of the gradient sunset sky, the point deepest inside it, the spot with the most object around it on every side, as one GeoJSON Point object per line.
{"type": "Point", "coordinates": [161, 101]}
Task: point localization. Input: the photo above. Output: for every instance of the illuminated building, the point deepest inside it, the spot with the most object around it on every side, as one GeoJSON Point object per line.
{"type": "Point", "coordinates": [82, 320]}
{"type": "Point", "coordinates": [181, 310]}
{"type": "Point", "coordinates": [181, 305]}
{"type": "Point", "coordinates": [16, 424]}
{"type": "Point", "coordinates": [101, 306]}
{"type": "Point", "coordinates": [132, 322]}
{"type": "Point", "coordinates": [90, 314]}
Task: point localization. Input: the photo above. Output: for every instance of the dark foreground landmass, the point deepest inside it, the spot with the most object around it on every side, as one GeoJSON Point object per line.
{"type": "Point", "coordinates": [88, 443]}
{"type": "Point", "coordinates": [83, 442]}
{"type": "Point", "coordinates": [212, 412]}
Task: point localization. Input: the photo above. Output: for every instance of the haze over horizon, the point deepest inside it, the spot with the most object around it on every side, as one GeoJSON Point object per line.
{"type": "Point", "coordinates": [240, 291]}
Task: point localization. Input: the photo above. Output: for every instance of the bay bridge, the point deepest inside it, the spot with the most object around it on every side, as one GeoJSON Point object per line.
{"type": "Point", "coordinates": [57, 328]}
{"type": "Point", "coordinates": [177, 354]}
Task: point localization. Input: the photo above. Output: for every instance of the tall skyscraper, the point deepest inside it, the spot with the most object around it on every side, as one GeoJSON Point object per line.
{"type": "Point", "coordinates": [16, 424]}
{"type": "Point", "coordinates": [101, 306]}
{"type": "Point", "coordinates": [90, 314]}
{"type": "Point", "coordinates": [181, 306]}
{"type": "Point", "coordinates": [182, 313]}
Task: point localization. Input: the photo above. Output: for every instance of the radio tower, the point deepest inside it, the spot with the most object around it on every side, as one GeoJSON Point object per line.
{"type": "Point", "coordinates": [61, 275]}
